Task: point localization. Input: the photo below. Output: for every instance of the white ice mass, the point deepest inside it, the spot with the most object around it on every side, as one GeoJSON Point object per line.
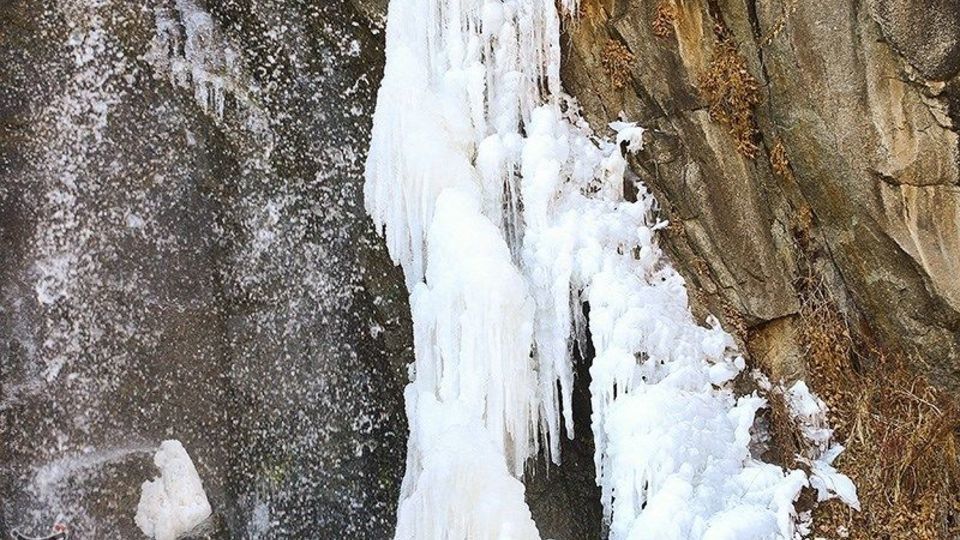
{"type": "Point", "coordinates": [173, 503]}
{"type": "Point", "coordinates": [507, 215]}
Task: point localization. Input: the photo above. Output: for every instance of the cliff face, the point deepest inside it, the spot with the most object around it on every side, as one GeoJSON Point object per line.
{"type": "Point", "coordinates": [793, 141]}
{"type": "Point", "coordinates": [171, 269]}
{"type": "Point", "coordinates": [184, 254]}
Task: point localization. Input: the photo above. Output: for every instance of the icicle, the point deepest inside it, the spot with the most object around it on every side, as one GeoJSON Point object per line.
{"type": "Point", "coordinates": [461, 487]}
{"type": "Point", "coordinates": [473, 325]}
{"type": "Point", "coordinates": [473, 402]}
{"type": "Point", "coordinates": [194, 56]}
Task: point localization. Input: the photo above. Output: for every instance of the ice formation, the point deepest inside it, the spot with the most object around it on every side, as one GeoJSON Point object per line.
{"type": "Point", "coordinates": [507, 214]}
{"type": "Point", "coordinates": [811, 413]}
{"type": "Point", "coordinates": [174, 503]}
{"type": "Point", "coordinates": [188, 48]}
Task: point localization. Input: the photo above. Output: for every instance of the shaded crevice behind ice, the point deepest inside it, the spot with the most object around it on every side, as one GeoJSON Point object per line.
{"type": "Point", "coordinates": [506, 214]}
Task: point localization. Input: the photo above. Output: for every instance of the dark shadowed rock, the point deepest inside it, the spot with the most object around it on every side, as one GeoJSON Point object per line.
{"type": "Point", "coordinates": [926, 33]}
{"type": "Point", "coordinates": [184, 254]}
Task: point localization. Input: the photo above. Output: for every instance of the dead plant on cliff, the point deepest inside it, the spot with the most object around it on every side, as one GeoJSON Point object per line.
{"type": "Point", "coordinates": [902, 434]}
{"type": "Point", "coordinates": [665, 19]}
{"type": "Point", "coordinates": [732, 93]}
{"type": "Point", "coordinates": [617, 62]}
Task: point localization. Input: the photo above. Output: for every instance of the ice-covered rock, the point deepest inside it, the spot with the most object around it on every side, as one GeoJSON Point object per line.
{"type": "Point", "coordinates": [173, 503]}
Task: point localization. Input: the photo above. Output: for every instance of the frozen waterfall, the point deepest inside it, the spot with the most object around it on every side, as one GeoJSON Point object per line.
{"type": "Point", "coordinates": [507, 214]}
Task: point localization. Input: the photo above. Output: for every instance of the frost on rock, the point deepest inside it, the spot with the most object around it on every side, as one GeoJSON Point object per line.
{"type": "Point", "coordinates": [188, 48]}
{"type": "Point", "coordinates": [174, 503]}
{"type": "Point", "coordinates": [507, 214]}
{"type": "Point", "coordinates": [193, 54]}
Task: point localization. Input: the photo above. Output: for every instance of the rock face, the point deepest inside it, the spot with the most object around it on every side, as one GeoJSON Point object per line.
{"type": "Point", "coordinates": [184, 254]}
{"type": "Point", "coordinates": [792, 142]}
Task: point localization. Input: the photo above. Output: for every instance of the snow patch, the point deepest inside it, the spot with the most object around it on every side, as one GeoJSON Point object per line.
{"type": "Point", "coordinates": [811, 413]}
{"type": "Point", "coordinates": [174, 503]}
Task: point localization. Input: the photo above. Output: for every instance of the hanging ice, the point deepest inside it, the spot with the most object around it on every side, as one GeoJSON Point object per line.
{"type": "Point", "coordinates": [473, 404]}
{"type": "Point", "coordinates": [506, 214]}
{"type": "Point", "coordinates": [189, 50]}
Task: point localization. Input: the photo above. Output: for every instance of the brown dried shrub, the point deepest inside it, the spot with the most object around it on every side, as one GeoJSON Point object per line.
{"type": "Point", "coordinates": [779, 160]}
{"type": "Point", "coordinates": [617, 62]}
{"type": "Point", "coordinates": [731, 93]}
{"type": "Point", "coordinates": [734, 318]}
{"type": "Point", "coordinates": [785, 431]}
{"type": "Point", "coordinates": [665, 19]}
{"type": "Point", "coordinates": [901, 433]}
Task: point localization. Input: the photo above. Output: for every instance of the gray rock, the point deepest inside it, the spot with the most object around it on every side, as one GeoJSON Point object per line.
{"type": "Point", "coordinates": [168, 272]}
{"type": "Point", "coordinates": [926, 33]}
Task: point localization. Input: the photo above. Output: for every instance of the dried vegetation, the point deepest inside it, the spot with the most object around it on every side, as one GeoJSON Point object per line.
{"type": "Point", "coordinates": [901, 433]}
{"type": "Point", "coordinates": [732, 93]}
{"type": "Point", "coordinates": [663, 23]}
{"type": "Point", "coordinates": [778, 159]}
{"type": "Point", "coordinates": [617, 62]}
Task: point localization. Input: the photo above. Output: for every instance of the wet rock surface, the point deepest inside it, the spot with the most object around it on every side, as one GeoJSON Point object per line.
{"type": "Point", "coordinates": [184, 254]}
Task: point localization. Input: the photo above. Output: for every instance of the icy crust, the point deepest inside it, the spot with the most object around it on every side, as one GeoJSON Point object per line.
{"type": "Point", "coordinates": [473, 328]}
{"type": "Point", "coordinates": [193, 53]}
{"type": "Point", "coordinates": [174, 503]}
{"type": "Point", "coordinates": [187, 48]}
{"type": "Point", "coordinates": [688, 471]}
{"type": "Point", "coordinates": [459, 486]}
{"type": "Point", "coordinates": [507, 216]}
{"type": "Point", "coordinates": [671, 438]}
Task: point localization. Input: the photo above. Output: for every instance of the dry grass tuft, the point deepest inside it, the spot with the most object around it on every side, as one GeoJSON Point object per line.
{"type": "Point", "coordinates": [901, 434]}
{"type": "Point", "coordinates": [785, 431]}
{"type": "Point", "coordinates": [665, 19]}
{"type": "Point", "coordinates": [617, 62]}
{"type": "Point", "coordinates": [778, 159]}
{"type": "Point", "coordinates": [731, 93]}
{"type": "Point", "coordinates": [734, 319]}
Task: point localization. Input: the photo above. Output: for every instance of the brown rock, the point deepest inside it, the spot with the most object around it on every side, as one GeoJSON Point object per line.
{"type": "Point", "coordinates": [858, 102]}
